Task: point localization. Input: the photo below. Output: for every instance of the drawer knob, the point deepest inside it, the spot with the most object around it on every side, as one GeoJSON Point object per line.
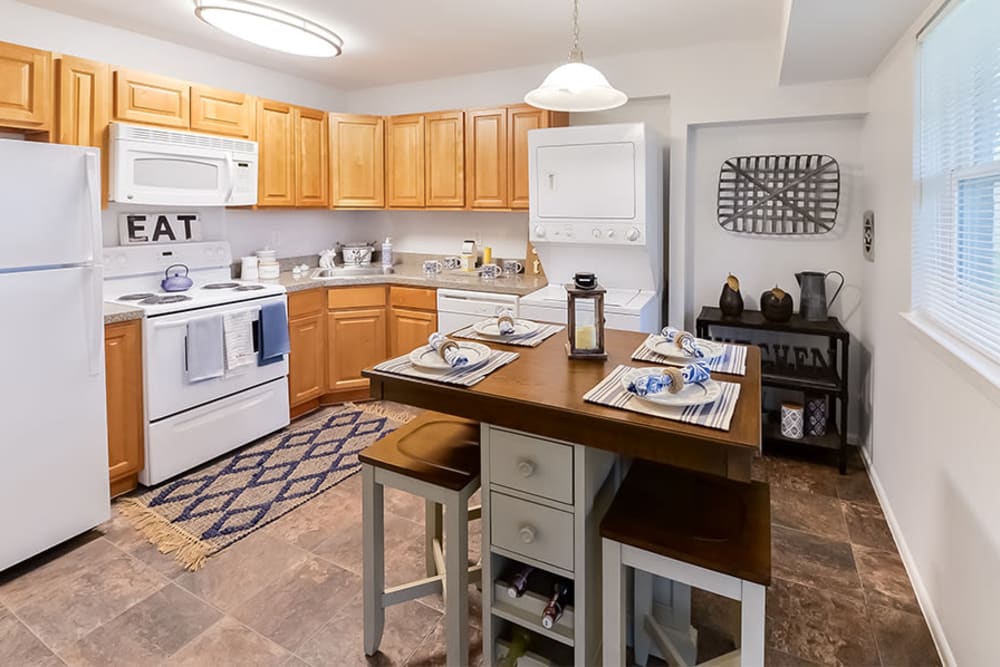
{"type": "Point", "coordinates": [527, 534]}
{"type": "Point", "coordinates": [526, 467]}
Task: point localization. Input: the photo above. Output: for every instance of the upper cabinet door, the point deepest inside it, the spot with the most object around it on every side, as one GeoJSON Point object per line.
{"type": "Point", "coordinates": [521, 119]}
{"type": "Point", "coordinates": [83, 107]}
{"type": "Point", "coordinates": [486, 158]}
{"type": "Point", "coordinates": [445, 159]}
{"type": "Point", "coordinates": [404, 156]}
{"type": "Point", "coordinates": [357, 145]}
{"type": "Point", "coordinates": [276, 154]}
{"type": "Point", "coordinates": [25, 87]}
{"type": "Point", "coordinates": [312, 158]}
{"type": "Point", "coordinates": [222, 112]}
{"type": "Point", "coordinates": [153, 100]}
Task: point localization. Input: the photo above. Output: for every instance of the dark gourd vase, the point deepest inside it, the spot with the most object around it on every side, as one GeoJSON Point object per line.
{"type": "Point", "coordinates": [776, 305]}
{"type": "Point", "coordinates": [731, 301]}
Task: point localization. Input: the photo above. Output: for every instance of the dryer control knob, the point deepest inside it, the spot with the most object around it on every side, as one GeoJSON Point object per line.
{"type": "Point", "coordinates": [632, 234]}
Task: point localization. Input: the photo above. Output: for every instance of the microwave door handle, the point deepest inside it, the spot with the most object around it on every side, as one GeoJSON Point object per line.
{"type": "Point", "coordinates": [230, 177]}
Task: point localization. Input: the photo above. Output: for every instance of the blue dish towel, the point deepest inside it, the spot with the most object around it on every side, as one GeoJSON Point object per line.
{"type": "Point", "coordinates": [273, 333]}
{"type": "Point", "coordinates": [205, 349]}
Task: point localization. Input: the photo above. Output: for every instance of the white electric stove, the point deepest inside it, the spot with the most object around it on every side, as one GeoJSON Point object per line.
{"type": "Point", "coordinates": [188, 423]}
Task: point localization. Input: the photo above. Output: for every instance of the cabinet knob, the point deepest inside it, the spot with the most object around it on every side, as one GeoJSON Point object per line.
{"type": "Point", "coordinates": [526, 467]}
{"type": "Point", "coordinates": [527, 534]}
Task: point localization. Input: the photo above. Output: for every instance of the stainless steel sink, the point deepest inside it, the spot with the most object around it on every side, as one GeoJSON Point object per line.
{"type": "Point", "coordinates": [346, 272]}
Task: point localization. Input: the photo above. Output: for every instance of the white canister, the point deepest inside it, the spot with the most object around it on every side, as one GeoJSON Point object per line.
{"type": "Point", "coordinates": [269, 270]}
{"type": "Point", "coordinates": [248, 270]}
{"type": "Point", "coordinates": [792, 422]}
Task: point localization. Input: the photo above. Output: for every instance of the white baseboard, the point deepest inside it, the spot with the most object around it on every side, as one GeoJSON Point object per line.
{"type": "Point", "coordinates": [923, 598]}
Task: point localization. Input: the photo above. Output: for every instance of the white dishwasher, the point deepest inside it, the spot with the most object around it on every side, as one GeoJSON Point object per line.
{"type": "Point", "coordinates": [460, 308]}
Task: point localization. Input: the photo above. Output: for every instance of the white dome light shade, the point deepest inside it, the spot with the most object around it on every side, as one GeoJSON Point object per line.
{"type": "Point", "coordinates": [269, 27]}
{"type": "Point", "coordinates": [575, 86]}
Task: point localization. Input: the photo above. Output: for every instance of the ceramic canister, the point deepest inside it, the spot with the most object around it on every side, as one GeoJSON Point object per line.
{"type": "Point", "coordinates": [816, 415]}
{"type": "Point", "coordinates": [792, 421]}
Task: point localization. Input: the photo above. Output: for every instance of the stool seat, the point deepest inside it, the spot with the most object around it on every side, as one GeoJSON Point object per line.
{"type": "Point", "coordinates": [716, 523]}
{"type": "Point", "coordinates": [434, 448]}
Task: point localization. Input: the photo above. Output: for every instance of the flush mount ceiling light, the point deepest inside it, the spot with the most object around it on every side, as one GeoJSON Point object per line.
{"type": "Point", "coordinates": [576, 86]}
{"type": "Point", "coordinates": [269, 27]}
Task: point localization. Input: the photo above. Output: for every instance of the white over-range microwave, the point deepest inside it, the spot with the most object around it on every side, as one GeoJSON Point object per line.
{"type": "Point", "coordinates": [163, 167]}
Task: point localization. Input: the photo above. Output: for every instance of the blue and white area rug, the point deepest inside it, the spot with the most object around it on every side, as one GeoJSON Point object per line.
{"type": "Point", "coordinates": [199, 514]}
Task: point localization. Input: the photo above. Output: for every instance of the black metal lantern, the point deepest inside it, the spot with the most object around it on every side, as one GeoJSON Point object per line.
{"type": "Point", "coordinates": [585, 318]}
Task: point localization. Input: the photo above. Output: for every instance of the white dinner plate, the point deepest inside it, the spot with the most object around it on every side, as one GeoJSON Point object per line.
{"type": "Point", "coordinates": [491, 328]}
{"type": "Point", "coordinates": [427, 358]}
{"type": "Point", "coordinates": [691, 394]}
{"type": "Point", "coordinates": [661, 346]}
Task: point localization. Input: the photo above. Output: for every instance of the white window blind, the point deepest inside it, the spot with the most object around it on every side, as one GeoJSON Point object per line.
{"type": "Point", "coordinates": [956, 253]}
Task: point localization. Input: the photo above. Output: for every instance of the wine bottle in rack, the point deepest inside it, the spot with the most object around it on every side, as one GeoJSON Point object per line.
{"type": "Point", "coordinates": [519, 583]}
{"type": "Point", "coordinates": [519, 641]}
{"type": "Point", "coordinates": [554, 608]}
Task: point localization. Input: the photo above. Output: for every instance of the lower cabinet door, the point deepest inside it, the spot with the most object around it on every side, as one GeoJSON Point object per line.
{"type": "Point", "coordinates": [123, 377]}
{"type": "Point", "coordinates": [305, 361]}
{"type": "Point", "coordinates": [409, 329]}
{"type": "Point", "coordinates": [357, 340]}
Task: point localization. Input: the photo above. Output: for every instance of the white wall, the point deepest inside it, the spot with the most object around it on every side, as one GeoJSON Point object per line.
{"type": "Point", "coordinates": [934, 448]}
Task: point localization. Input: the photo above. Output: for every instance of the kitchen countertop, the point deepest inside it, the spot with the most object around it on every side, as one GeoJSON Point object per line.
{"type": "Point", "coordinates": [114, 312]}
{"type": "Point", "coordinates": [413, 275]}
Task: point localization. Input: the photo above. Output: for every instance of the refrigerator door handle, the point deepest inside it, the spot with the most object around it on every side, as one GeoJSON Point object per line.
{"type": "Point", "coordinates": [93, 165]}
{"type": "Point", "coordinates": [93, 305]}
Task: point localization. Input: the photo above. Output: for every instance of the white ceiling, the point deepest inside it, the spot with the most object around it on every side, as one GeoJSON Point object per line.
{"type": "Point", "coordinates": [842, 39]}
{"type": "Point", "coordinates": [392, 41]}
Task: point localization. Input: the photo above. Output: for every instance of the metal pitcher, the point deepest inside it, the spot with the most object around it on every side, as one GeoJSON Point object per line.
{"type": "Point", "coordinates": [812, 300]}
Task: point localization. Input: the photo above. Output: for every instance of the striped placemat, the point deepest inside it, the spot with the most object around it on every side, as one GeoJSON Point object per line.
{"type": "Point", "coordinates": [717, 414]}
{"type": "Point", "coordinates": [533, 340]}
{"type": "Point", "coordinates": [732, 362]}
{"type": "Point", "coordinates": [464, 377]}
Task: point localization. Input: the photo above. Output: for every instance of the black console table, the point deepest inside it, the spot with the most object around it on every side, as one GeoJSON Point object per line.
{"type": "Point", "coordinates": [827, 377]}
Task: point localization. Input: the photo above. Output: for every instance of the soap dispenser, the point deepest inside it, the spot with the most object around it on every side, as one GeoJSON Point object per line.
{"type": "Point", "coordinates": [387, 253]}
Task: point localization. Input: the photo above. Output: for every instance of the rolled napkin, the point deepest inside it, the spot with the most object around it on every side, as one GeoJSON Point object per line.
{"type": "Point", "coordinates": [672, 379]}
{"type": "Point", "coordinates": [684, 340]}
{"type": "Point", "coordinates": [505, 322]}
{"type": "Point", "coordinates": [448, 349]}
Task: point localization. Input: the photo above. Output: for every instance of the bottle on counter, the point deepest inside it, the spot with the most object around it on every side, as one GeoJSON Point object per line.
{"type": "Point", "coordinates": [519, 583]}
{"type": "Point", "coordinates": [554, 608]}
{"type": "Point", "coordinates": [387, 252]}
{"type": "Point", "coordinates": [520, 639]}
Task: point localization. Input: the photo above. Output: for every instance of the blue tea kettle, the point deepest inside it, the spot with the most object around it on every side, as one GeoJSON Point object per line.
{"type": "Point", "coordinates": [175, 280]}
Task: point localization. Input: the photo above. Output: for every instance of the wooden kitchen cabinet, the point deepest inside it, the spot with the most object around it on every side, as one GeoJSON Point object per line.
{"type": "Point", "coordinates": [357, 150]}
{"type": "Point", "coordinates": [356, 338]}
{"type": "Point", "coordinates": [152, 100]}
{"type": "Point", "coordinates": [83, 108]}
{"type": "Point", "coordinates": [412, 318]}
{"type": "Point", "coordinates": [404, 161]}
{"type": "Point", "coordinates": [444, 159]}
{"type": "Point", "coordinates": [521, 119]}
{"type": "Point", "coordinates": [312, 158]}
{"type": "Point", "coordinates": [486, 158]}
{"type": "Point", "coordinates": [123, 377]}
{"type": "Point", "coordinates": [276, 154]}
{"type": "Point", "coordinates": [222, 112]}
{"type": "Point", "coordinates": [25, 88]}
{"type": "Point", "coordinates": [307, 340]}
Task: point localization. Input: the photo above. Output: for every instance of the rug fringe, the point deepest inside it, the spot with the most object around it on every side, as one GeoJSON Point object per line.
{"type": "Point", "coordinates": [376, 409]}
{"type": "Point", "coordinates": [168, 538]}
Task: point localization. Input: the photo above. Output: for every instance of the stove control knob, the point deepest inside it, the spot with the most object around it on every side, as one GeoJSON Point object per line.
{"type": "Point", "coordinates": [632, 234]}
{"type": "Point", "coordinates": [611, 233]}
{"type": "Point", "coordinates": [540, 231]}
{"type": "Point", "coordinates": [596, 233]}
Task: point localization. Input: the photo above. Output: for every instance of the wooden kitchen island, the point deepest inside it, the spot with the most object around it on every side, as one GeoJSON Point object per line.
{"type": "Point", "coordinates": [551, 464]}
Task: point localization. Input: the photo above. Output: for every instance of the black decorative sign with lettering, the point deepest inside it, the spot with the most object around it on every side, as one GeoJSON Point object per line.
{"type": "Point", "coordinates": [137, 228]}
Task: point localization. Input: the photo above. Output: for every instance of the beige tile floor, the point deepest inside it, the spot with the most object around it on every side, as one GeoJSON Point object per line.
{"type": "Point", "coordinates": [290, 593]}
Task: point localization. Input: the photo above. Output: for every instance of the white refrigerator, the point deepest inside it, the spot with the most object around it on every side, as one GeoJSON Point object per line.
{"type": "Point", "coordinates": [53, 430]}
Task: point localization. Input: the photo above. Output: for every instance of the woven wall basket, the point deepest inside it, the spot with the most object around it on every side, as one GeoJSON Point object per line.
{"type": "Point", "coordinates": [779, 194]}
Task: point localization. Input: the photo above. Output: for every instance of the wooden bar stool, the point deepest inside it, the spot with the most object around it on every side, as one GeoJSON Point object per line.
{"type": "Point", "coordinates": [704, 531]}
{"type": "Point", "coordinates": [436, 457]}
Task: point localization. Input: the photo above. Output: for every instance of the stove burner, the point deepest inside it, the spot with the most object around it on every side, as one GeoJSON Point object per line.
{"type": "Point", "coordinates": [155, 300]}
{"type": "Point", "coordinates": [136, 297]}
{"type": "Point", "coordinates": [248, 288]}
{"type": "Point", "coordinates": [221, 286]}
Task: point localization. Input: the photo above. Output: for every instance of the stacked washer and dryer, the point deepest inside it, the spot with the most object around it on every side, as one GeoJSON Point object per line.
{"type": "Point", "coordinates": [596, 204]}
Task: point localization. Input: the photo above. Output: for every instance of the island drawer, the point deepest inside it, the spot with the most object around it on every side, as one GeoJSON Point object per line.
{"type": "Point", "coordinates": [532, 530]}
{"type": "Point", "coordinates": [540, 467]}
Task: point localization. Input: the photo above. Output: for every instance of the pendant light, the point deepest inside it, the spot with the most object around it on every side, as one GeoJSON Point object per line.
{"type": "Point", "coordinates": [270, 27]}
{"type": "Point", "coordinates": [576, 86]}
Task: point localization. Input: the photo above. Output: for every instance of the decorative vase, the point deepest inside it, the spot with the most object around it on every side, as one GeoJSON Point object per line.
{"type": "Point", "coordinates": [791, 421]}
{"type": "Point", "coordinates": [731, 301]}
{"type": "Point", "coordinates": [816, 415]}
{"type": "Point", "coordinates": [776, 305]}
